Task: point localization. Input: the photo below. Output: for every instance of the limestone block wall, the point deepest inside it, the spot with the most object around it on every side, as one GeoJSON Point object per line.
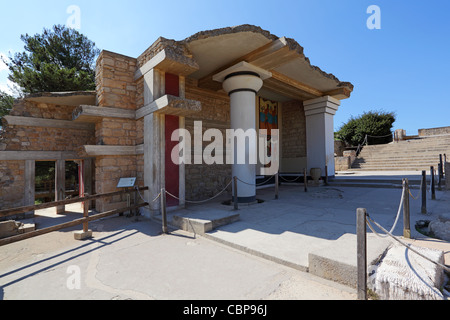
{"type": "Point", "coordinates": [293, 137]}
{"type": "Point", "coordinates": [108, 171]}
{"type": "Point", "coordinates": [203, 181]}
{"type": "Point", "coordinates": [115, 81]}
{"type": "Point", "coordinates": [12, 184]}
{"type": "Point", "coordinates": [34, 138]}
{"type": "Point", "coordinates": [117, 132]}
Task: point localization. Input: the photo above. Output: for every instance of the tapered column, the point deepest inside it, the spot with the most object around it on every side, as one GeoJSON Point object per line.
{"type": "Point", "coordinates": [242, 82]}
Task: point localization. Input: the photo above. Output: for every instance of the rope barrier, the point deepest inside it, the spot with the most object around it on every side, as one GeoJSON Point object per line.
{"type": "Point", "coordinates": [388, 135]}
{"type": "Point", "coordinates": [287, 180]}
{"type": "Point", "coordinates": [257, 184]}
{"type": "Point", "coordinates": [396, 218]}
{"type": "Point", "coordinates": [446, 268]}
{"type": "Point", "coordinates": [201, 201]}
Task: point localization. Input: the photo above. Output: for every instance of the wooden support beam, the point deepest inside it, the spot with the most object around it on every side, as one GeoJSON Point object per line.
{"type": "Point", "coordinates": [268, 57]}
{"type": "Point", "coordinates": [19, 210]}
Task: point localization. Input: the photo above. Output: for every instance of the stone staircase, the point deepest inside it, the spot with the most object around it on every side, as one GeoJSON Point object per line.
{"type": "Point", "coordinates": [410, 155]}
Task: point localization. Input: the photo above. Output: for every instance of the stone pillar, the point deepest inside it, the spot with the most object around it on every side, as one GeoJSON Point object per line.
{"type": "Point", "coordinates": [30, 178]}
{"type": "Point", "coordinates": [242, 82]}
{"type": "Point", "coordinates": [60, 184]}
{"type": "Point", "coordinates": [320, 133]}
{"type": "Point", "coordinates": [153, 124]}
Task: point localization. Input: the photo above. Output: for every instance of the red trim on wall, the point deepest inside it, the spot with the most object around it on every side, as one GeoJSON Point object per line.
{"type": "Point", "coordinates": [172, 84]}
{"type": "Point", "coordinates": [172, 172]}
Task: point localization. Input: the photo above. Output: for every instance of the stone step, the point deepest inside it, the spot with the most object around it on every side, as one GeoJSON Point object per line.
{"type": "Point", "coordinates": [337, 262]}
{"type": "Point", "coordinates": [199, 222]}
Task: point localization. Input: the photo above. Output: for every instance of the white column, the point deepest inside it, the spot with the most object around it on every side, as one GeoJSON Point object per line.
{"type": "Point", "coordinates": [242, 82]}
{"type": "Point", "coordinates": [320, 133]}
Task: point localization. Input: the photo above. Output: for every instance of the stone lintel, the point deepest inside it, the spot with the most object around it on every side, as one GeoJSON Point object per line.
{"type": "Point", "coordinates": [46, 123]}
{"type": "Point", "coordinates": [171, 105]}
{"type": "Point", "coordinates": [168, 61]}
{"type": "Point", "coordinates": [93, 114]}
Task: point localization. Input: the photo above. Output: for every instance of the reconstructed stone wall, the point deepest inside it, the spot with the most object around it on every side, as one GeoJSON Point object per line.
{"type": "Point", "coordinates": [116, 88]}
{"type": "Point", "coordinates": [204, 181]}
{"type": "Point", "coordinates": [108, 171]}
{"type": "Point", "coordinates": [293, 132]}
{"type": "Point", "coordinates": [12, 184]}
{"type": "Point", "coordinates": [433, 131]}
{"type": "Point", "coordinates": [115, 81]}
{"type": "Point", "coordinates": [34, 138]}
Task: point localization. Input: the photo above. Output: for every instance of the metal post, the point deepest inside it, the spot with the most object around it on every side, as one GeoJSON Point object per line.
{"type": "Point", "coordinates": [276, 186]}
{"type": "Point", "coordinates": [433, 191]}
{"type": "Point", "coordinates": [424, 192]}
{"type": "Point", "coordinates": [439, 176]}
{"type": "Point", "coordinates": [406, 215]}
{"type": "Point", "coordinates": [305, 180]}
{"type": "Point", "coordinates": [326, 175]}
{"type": "Point", "coordinates": [235, 196]}
{"type": "Point", "coordinates": [163, 211]}
{"type": "Point", "coordinates": [361, 253]}
{"type": "Point", "coordinates": [441, 171]}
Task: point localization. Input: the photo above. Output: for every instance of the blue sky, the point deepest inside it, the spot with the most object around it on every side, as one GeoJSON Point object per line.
{"type": "Point", "coordinates": [403, 67]}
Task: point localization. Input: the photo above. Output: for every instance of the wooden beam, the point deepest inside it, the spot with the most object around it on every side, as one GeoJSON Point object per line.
{"type": "Point", "coordinates": [69, 224]}
{"type": "Point", "coordinates": [268, 57]}
{"type": "Point", "coordinates": [339, 93]}
{"type": "Point", "coordinates": [19, 210]}
{"type": "Point", "coordinates": [277, 76]}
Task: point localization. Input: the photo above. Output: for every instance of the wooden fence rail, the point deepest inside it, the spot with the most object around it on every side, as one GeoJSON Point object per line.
{"type": "Point", "coordinates": [82, 221]}
{"type": "Point", "coordinates": [19, 210]}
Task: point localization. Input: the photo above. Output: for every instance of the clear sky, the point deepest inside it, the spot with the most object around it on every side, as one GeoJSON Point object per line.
{"type": "Point", "coordinates": [403, 67]}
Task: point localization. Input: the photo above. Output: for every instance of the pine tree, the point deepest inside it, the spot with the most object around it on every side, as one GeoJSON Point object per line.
{"type": "Point", "coordinates": [57, 60]}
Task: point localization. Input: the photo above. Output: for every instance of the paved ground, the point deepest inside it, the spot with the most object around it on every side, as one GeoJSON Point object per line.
{"type": "Point", "coordinates": [132, 260]}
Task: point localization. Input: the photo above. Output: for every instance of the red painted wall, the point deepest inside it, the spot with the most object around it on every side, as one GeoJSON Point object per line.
{"type": "Point", "coordinates": [172, 84]}
{"type": "Point", "coordinates": [172, 170]}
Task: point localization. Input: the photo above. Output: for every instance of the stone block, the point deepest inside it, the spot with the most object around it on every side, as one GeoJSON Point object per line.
{"type": "Point", "coordinates": [80, 235]}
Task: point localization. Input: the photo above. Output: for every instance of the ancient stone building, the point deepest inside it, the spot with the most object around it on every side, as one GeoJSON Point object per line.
{"type": "Point", "coordinates": [238, 77]}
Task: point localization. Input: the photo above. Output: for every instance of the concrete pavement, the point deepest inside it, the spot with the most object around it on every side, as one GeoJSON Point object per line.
{"type": "Point", "coordinates": [133, 260]}
{"type": "Point", "coordinates": [261, 256]}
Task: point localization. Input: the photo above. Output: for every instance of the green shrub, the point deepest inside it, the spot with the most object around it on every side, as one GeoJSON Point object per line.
{"type": "Point", "coordinates": [376, 125]}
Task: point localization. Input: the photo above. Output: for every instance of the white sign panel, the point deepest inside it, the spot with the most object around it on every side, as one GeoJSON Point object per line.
{"type": "Point", "coordinates": [126, 182]}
